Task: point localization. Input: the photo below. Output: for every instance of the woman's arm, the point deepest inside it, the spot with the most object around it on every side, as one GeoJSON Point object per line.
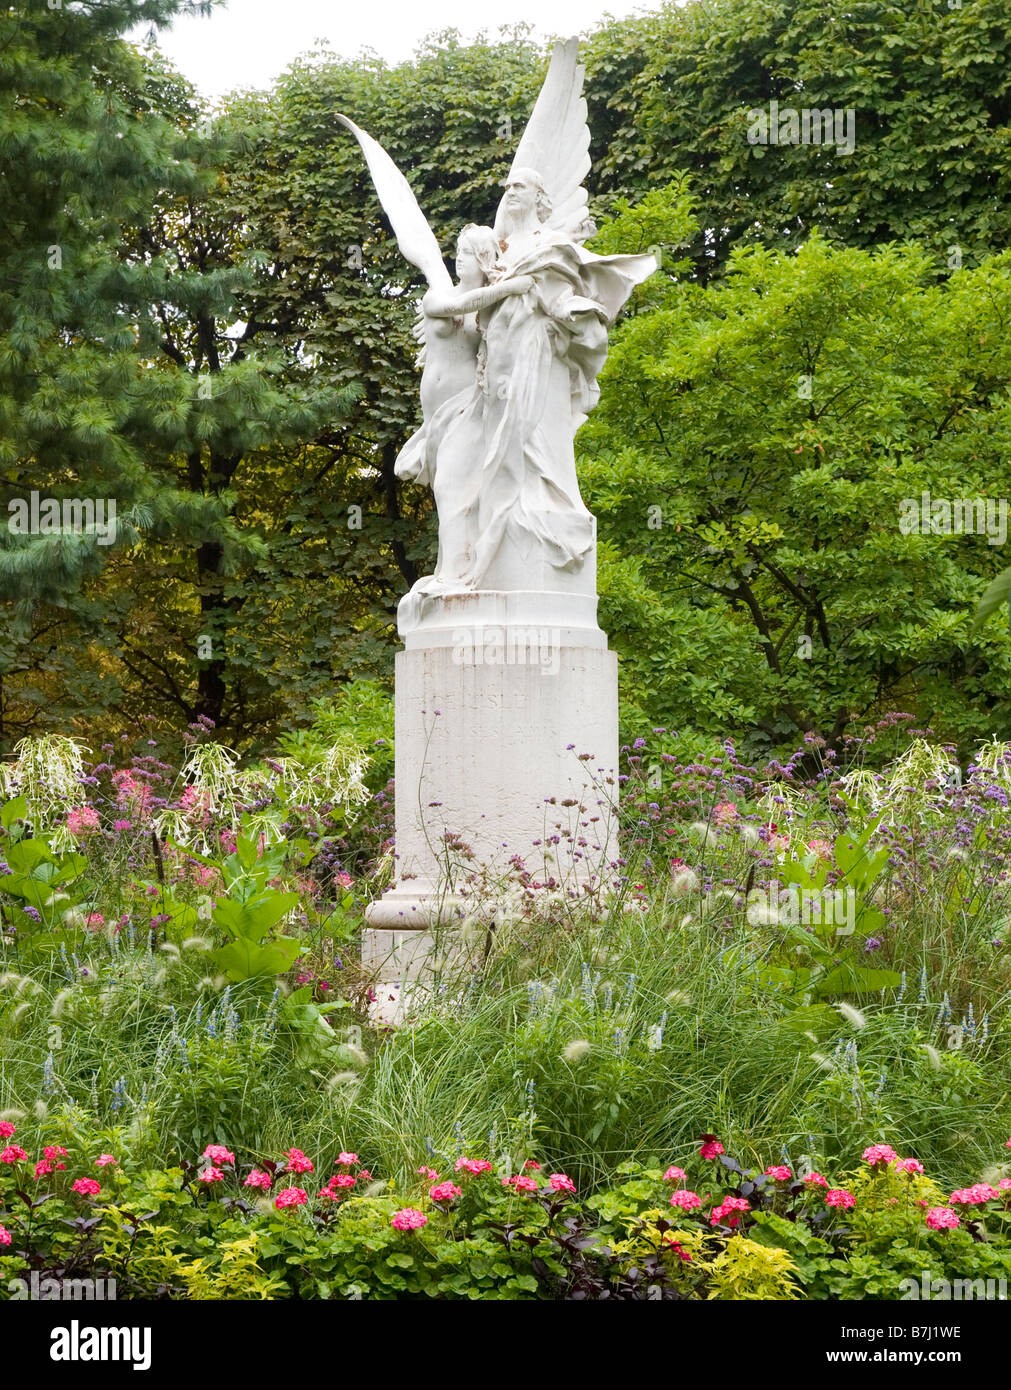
{"type": "Point", "coordinates": [472, 301]}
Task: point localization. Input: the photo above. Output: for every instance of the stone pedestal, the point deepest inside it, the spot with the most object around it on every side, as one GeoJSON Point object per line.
{"type": "Point", "coordinates": [506, 751]}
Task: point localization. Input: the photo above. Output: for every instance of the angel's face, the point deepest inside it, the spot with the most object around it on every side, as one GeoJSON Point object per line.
{"type": "Point", "coordinates": [469, 271]}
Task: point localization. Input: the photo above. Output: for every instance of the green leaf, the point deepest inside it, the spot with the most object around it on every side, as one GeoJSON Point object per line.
{"type": "Point", "coordinates": [997, 595]}
{"type": "Point", "coordinates": [244, 960]}
{"type": "Point", "coordinates": [12, 811]}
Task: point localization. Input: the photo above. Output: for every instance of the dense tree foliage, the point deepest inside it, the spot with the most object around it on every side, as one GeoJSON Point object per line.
{"type": "Point", "coordinates": [122, 382]}
{"type": "Point", "coordinates": [760, 449]}
{"type": "Point", "coordinates": [928, 83]}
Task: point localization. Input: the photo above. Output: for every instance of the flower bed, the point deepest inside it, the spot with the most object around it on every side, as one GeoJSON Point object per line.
{"type": "Point", "coordinates": [216, 1228]}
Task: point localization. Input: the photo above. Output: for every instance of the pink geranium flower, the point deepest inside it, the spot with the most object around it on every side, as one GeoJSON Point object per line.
{"type": "Point", "coordinates": [291, 1197]}
{"type": "Point", "coordinates": [976, 1195]}
{"type": "Point", "coordinates": [337, 1186]}
{"type": "Point", "coordinates": [674, 1174]}
{"type": "Point", "coordinates": [43, 1167]}
{"type": "Point", "coordinates": [103, 1160]}
{"type": "Point", "coordinates": [13, 1153]}
{"type": "Point", "coordinates": [531, 1164]}
{"type": "Point", "coordinates": [880, 1153]}
{"type": "Point", "coordinates": [346, 1158]}
{"type": "Point", "coordinates": [258, 1179]}
{"type": "Point", "coordinates": [297, 1162]}
{"type": "Point", "coordinates": [472, 1165]}
{"type": "Point", "coordinates": [727, 1206]}
{"type": "Point", "coordinates": [908, 1165]}
{"type": "Point", "coordinates": [941, 1219]}
{"type": "Point", "coordinates": [816, 1180]}
{"type": "Point", "coordinates": [217, 1153]}
{"type": "Point", "coordinates": [711, 1148]}
{"type": "Point", "coordinates": [87, 1187]}
{"type": "Point", "coordinates": [5, 1236]}
{"type": "Point", "coordinates": [429, 1173]}
{"type": "Point", "coordinates": [839, 1197]}
{"type": "Point", "coordinates": [445, 1191]}
{"type": "Point", "coordinates": [7, 1130]}
{"type": "Point", "coordinates": [561, 1183]}
{"type": "Point", "coordinates": [408, 1219]}
{"type": "Point", "coordinates": [521, 1183]}
{"type": "Point", "coordinates": [54, 1151]}
{"type": "Point", "coordinates": [779, 1171]}
{"type": "Point", "coordinates": [685, 1199]}
{"type": "Point", "coordinates": [212, 1174]}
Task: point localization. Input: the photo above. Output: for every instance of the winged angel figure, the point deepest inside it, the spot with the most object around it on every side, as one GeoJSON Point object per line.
{"type": "Point", "coordinates": [511, 353]}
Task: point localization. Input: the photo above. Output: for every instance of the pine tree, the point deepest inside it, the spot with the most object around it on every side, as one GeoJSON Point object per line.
{"type": "Point", "coordinates": [119, 383]}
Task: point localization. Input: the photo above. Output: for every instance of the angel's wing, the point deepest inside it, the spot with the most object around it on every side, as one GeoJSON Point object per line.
{"type": "Point", "coordinates": [414, 236]}
{"type": "Point", "coordinates": [556, 142]}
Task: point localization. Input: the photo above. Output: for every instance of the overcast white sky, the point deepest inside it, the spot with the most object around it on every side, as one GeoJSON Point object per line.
{"type": "Point", "coordinates": [248, 43]}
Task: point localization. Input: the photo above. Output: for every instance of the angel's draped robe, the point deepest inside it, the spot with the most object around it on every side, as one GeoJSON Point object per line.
{"type": "Point", "coordinates": [499, 455]}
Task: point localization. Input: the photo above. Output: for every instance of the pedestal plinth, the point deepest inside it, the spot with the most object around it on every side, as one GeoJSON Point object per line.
{"type": "Point", "coordinates": [506, 754]}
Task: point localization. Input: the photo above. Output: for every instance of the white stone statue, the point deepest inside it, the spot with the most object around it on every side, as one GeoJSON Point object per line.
{"type": "Point", "coordinates": [506, 692]}
{"type": "Point", "coordinates": [511, 356]}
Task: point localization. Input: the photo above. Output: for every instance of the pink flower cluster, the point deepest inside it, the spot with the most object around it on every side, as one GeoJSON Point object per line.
{"type": "Point", "coordinates": [291, 1197]}
{"type": "Point", "coordinates": [711, 1148]}
{"type": "Point", "coordinates": [408, 1219]}
{"type": "Point", "coordinates": [685, 1199]}
{"type": "Point", "coordinates": [559, 1182]}
{"type": "Point", "coordinates": [445, 1191]}
{"type": "Point", "coordinates": [257, 1178]}
{"type": "Point", "coordinates": [674, 1174]}
{"type": "Point", "coordinates": [82, 820]}
{"type": "Point", "coordinates": [521, 1183]}
{"type": "Point", "coordinates": [87, 1187]}
{"type": "Point", "coordinates": [880, 1153]}
{"type": "Point", "coordinates": [336, 1187]}
{"type": "Point", "coordinates": [779, 1171]}
{"type": "Point", "coordinates": [976, 1195]}
{"type": "Point", "coordinates": [728, 1205]}
{"type": "Point", "coordinates": [297, 1161]}
{"type": "Point", "coordinates": [217, 1153]}
{"type": "Point", "coordinates": [472, 1166]}
{"type": "Point", "coordinates": [839, 1197]}
{"type": "Point", "coordinates": [941, 1219]}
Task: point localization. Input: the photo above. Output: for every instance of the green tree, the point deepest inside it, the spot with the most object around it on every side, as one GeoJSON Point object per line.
{"type": "Point", "coordinates": [748, 463]}
{"type": "Point", "coordinates": [929, 84]}
{"type": "Point", "coordinates": [121, 379]}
